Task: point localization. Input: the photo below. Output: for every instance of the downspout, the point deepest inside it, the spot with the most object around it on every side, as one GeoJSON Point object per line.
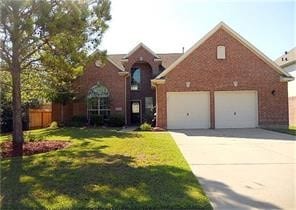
{"type": "Point", "coordinates": [125, 105]}
{"type": "Point", "coordinates": [154, 85]}
{"type": "Point", "coordinates": [156, 107]}
{"type": "Point", "coordinates": [125, 76]}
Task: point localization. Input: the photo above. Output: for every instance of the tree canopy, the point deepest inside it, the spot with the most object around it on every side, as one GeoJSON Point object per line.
{"type": "Point", "coordinates": [45, 44]}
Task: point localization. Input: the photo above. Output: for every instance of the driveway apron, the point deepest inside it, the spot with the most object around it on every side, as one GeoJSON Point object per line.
{"type": "Point", "coordinates": [242, 168]}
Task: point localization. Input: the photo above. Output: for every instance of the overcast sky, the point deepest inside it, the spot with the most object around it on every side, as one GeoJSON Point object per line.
{"type": "Point", "coordinates": [168, 25]}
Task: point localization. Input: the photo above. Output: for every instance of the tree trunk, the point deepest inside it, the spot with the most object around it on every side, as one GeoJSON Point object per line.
{"type": "Point", "coordinates": [17, 133]}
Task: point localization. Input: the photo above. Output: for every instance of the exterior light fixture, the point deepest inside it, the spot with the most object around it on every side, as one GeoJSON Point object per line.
{"type": "Point", "coordinates": [235, 83]}
{"type": "Point", "coordinates": [187, 84]}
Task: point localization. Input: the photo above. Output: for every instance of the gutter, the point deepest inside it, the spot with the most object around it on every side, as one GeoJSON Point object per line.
{"type": "Point", "coordinates": [288, 63]}
{"type": "Point", "coordinates": [286, 79]}
{"type": "Point", "coordinates": [155, 82]}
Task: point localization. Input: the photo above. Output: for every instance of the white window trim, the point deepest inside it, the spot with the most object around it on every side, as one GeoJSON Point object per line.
{"type": "Point", "coordinates": [98, 110]}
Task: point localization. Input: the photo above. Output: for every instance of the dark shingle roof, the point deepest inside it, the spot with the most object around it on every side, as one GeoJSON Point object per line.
{"type": "Point", "coordinates": [116, 59]}
{"type": "Point", "coordinates": [169, 58]}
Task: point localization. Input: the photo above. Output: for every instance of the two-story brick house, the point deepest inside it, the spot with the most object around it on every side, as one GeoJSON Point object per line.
{"type": "Point", "coordinates": [221, 82]}
{"type": "Point", "coordinates": [121, 86]}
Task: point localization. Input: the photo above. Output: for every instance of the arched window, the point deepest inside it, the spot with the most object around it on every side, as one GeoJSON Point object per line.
{"type": "Point", "coordinates": [135, 79]}
{"type": "Point", "coordinates": [98, 101]}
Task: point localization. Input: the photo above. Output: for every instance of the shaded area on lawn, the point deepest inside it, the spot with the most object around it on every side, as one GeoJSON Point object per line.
{"type": "Point", "coordinates": [112, 183]}
{"type": "Point", "coordinates": [86, 176]}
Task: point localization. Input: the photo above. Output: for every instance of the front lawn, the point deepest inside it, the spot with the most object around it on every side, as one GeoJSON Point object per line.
{"type": "Point", "coordinates": [102, 169]}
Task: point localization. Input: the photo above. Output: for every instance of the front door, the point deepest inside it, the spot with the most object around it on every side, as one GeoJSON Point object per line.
{"type": "Point", "coordinates": [135, 112]}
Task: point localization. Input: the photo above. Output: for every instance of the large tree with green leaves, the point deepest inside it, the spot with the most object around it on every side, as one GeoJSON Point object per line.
{"type": "Point", "coordinates": [52, 37]}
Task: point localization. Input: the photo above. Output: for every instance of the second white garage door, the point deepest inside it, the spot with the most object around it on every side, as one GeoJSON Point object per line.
{"type": "Point", "coordinates": [236, 109]}
{"type": "Point", "coordinates": [188, 110]}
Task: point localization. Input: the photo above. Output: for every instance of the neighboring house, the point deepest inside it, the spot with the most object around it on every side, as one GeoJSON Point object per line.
{"type": "Point", "coordinates": [288, 64]}
{"type": "Point", "coordinates": [221, 82]}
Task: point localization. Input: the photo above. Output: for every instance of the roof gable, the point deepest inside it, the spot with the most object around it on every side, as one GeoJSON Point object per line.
{"type": "Point", "coordinates": [139, 46]}
{"type": "Point", "coordinates": [115, 63]}
{"type": "Point", "coordinates": [110, 59]}
{"type": "Point", "coordinates": [234, 35]}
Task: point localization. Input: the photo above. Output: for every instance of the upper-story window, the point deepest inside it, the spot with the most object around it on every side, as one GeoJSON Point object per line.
{"type": "Point", "coordinates": [135, 79]}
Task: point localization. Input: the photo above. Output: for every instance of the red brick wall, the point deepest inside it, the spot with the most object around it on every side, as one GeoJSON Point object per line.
{"type": "Point", "coordinates": [206, 72]}
{"type": "Point", "coordinates": [292, 110]}
{"type": "Point", "coordinates": [146, 56]}
{"type": "Point", "coordinates": [149, 68]}
{"type": "Point", "coordinates": [107, 76]}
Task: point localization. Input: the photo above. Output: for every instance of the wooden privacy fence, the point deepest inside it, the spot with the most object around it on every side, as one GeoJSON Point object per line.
{"type": "Point", "coordinates": [39, 118]}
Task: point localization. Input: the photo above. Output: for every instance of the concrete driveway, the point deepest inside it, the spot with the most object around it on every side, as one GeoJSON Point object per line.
{"type": "Point", "coordinates": [242, 168]}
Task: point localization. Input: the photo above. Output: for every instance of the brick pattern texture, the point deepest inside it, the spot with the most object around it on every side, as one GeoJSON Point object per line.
{"type": "Point", "coordinates": [149, 69]}
{"type": "Point", "coordinates": [207, 73]}
{"type": "Point", "coordinates": [108, 76]}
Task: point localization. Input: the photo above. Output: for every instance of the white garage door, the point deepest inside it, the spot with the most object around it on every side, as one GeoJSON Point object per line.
{"type": "Point", "coordinates": [236, 109]}
{"type": "Point", "coordinates": [188, 110]}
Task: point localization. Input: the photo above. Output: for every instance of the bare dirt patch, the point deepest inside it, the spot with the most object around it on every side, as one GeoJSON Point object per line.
{"type": "Point", "coordinates": [31, 148]}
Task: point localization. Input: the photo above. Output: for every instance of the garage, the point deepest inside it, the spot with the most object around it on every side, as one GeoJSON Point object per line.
{"type": "Point", "coordinates": [188, 110]}
{"type": "Point", "coordinates": [236, 109]}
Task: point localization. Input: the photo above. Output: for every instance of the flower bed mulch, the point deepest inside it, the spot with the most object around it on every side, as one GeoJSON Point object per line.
{"type": "Point", "coordinates": [31, 148]}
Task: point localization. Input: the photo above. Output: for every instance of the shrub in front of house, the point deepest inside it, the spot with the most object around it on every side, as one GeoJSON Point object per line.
{"type": "Point", "coordinates": [77, 121]}
{"type": "Point", "coordinates": [115, 121]}
{"type": "Point", "coordinates": [96, 120]}
{"type": "Point", "coordinates": [31, 137]}
{"type": "Point", "coordinates": [145, 127]}
{"type": "Point", "coordinates": [53, 125]}
{"type": "Point", "coordinates": [6, 123]}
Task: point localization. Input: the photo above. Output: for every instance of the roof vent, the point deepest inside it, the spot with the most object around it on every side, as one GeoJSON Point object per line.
{"type": "Point", "coordinates": [221, 52]}
{"type": "Point", "coordinates": [98, 63]}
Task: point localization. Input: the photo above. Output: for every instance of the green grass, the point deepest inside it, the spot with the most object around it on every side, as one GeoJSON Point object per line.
{"type": "Point", "coordinates": [291, 130]}
{"type": "Point", "coordinates": [102, 169]}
